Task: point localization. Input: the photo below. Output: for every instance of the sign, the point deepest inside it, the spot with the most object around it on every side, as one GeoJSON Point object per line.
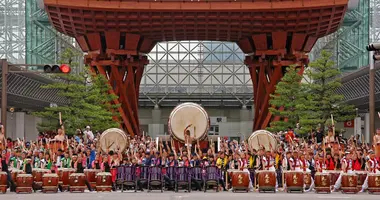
{"type": "Point", "coordinates": [349, 124]}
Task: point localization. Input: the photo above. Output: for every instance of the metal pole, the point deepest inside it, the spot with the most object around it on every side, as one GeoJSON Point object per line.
{"type": "Point", "coordinates": [371, 96]}
{"type": "Point", "coordinates": [4, 88]}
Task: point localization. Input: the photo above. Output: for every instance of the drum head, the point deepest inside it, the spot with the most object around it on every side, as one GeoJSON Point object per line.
{"type": "Point", "coordinates": [262, 138]}
{"type": "Point", "coordinates": [113, 138]}
{"type": "Point", "coordinates": [186, 114]}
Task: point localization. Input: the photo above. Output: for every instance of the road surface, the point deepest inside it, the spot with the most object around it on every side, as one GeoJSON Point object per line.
{"type": "Point", "coordinates": [185, 196]}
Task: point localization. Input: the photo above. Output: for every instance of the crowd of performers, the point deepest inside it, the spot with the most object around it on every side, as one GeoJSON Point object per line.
{"type": "Point", "coordinates": [292, 154]}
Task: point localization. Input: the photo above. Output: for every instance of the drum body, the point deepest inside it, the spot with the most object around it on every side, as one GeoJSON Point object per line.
{"type": "Point", "coordinates": [50, 183]}
{"type": "Point", "coordinates": [322, 182]}
{"type": "Point", "coordinates": [15, 172]}
{"type": "Point", "coordinates": [362, 175]}
{"type": "Point", "coordinates": [77, 182]}
{"type": "Point", "coordinates": [373, 183]}
{"type": "Point", "coordinates": [24, 183]}
{"type": "Point", "coordinates": [56, 145]}
{"type": "Point", "coordinates": [3, 182]}
{"type": "Point", "coordinates": [37, 176]}
{"type": "Point", "coordinates": [64, 174]}
{"type": "Point", "coordinates": [349, 183]}
{"type": "Point", "coordinates": [266, 180]}
{"type": "Point", "coordinates": [377, 150]}
{"type": "Point", "coordinates": [91, 176]}
{"type": "Point", "coordinates": [103, 181]}
{"type": "Point", "coordinates": [307, 179]}
{"type": "Point", "coordinates": [184, 115]}
{"type": "Point", "coordinates": [294, 181]}
{"type": "Point", "coordinates": [240, 181]}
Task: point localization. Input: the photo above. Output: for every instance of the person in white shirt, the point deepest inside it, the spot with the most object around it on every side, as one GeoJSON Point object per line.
{"type": "Point", "coordinates": [89, 134]}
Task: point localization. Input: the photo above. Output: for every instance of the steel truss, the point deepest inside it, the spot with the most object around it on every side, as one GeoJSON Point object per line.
{"type": "Point", "coordinates": [348, 43]}
{"type": "Point", "coordinates": [12, 30]}
{"type": "Point", "coordinates": [196, 71]}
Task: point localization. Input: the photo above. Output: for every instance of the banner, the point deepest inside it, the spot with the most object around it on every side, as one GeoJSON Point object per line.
{"type": "Point", "coordinates": [349, 124]}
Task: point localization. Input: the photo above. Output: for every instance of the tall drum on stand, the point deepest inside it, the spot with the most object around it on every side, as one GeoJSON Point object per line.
{"type": "Point", "coordinates": [262, 138]}
{"type": "Point", "coordinates": [112, 139]}
{"type": "Point", "coordinates": [187, 114]}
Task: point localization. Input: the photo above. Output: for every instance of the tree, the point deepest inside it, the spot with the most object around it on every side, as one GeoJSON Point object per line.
{"type": "Point", "coordinates": [321, 100]}
{"type": "Point", "coordinates": [284, 101]}
{"type": "Point", "coordinates": [87, 101]}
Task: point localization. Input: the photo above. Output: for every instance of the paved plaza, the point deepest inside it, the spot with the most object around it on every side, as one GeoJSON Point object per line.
{"type": "Point", "coordinates": [185, 196]}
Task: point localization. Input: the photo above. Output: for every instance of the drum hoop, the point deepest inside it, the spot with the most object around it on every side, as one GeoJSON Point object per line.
{"type": "Point", "coordinates": [77, 174]}
{"type": "Point", "coordinates": [201, 138]}
{"type": "Point", "coordinates": [104, 174]}
{"type": "Point", "coordinates": [50, 175]}
{"type": "Point", "coordinates": [24, 175]}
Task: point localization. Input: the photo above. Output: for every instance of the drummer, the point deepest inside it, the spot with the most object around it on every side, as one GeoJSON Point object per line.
{"type": "Point", "coordinates": [4, 168]}
{"type": "Point", "coordinates": [346, 168]}
{"type": "Point", "coordinates": [376, 142]}
{"type": "Point", "coordinates": [372, 167]}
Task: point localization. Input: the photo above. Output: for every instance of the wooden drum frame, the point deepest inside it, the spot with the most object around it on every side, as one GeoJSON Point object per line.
{"type": "Point", "coordinates": [294, 181]}
{"type": "Point", "coordinates": [373, 183]}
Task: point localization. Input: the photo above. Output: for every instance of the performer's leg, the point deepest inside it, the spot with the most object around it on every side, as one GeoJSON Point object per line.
{"type": "Point", "coordinates": [11, 183]}
{"type": "Point", "coordinates": [88, 185]}
{"type": "Point", "coordinates": [338, 182]}
{"type": "Point", "coordinates": [365, 185]}
{"type": "Point", "coordinates": [312, 185]}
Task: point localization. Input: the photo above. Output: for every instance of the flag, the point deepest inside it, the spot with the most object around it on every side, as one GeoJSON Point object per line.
{"type": "Point", "coordinates": [349, 124]}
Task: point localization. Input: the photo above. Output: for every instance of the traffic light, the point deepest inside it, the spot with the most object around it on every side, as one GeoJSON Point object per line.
{"type": "Point", "coordinates": [57, 69]}
{"type": "Point", "coordinates": [373, 47]}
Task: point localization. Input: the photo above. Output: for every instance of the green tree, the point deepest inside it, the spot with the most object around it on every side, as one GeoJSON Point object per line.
{"type": "Point", "coordinates": [284, 101]}
{"type": "Point", "coordinates": [321, 99]}
{"type": "Point", "coordinates": [87, 101]}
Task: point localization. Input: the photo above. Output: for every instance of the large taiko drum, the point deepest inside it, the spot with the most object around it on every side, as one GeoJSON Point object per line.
{"type": "Point", "coordinates": [373, 183]}
{"type": "Point", "coordinates": [184, 115]}
{"type": "Point", "coordinates": [322, 182]}
{"type": "Point", "coordinates": [362, 175]}
{"type": "Point", "coordinates": [50, 182]}
{"type": "Point", "coordinates": [261, 138]}
{"type": "Point", "coordinates": [113, 139]}
{"type": "Point", "coordinates": [294, 180]}
{"type": "Point", "coordinates": [349, 183]}
{"type": "Point", "coordinates": [24, 183]}
{"type": "Point", "coordinates": [3, 182]}
{"type": "Point", "coordinates": [240, 180]}
{"type": "Point", "coordinates": [266, 180]}
{"type": "Point", "coordinates": [77, 182]}
{"type": "Point", "coordinates": [104, 181]}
